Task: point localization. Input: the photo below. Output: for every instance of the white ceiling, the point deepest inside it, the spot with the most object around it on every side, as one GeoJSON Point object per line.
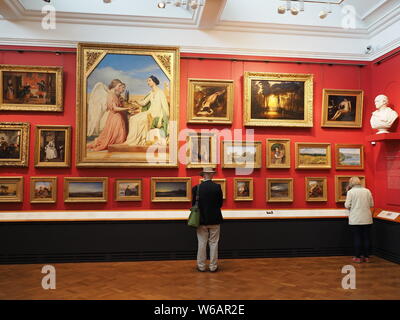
{"type": "Point", "coordinates": [221, 26]}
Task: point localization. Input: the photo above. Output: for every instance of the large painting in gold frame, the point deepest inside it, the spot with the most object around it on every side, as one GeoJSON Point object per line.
{"type": "Point", "coordinates": [140, 85]}
{"type": "Point", "coordinates": [278, 99]}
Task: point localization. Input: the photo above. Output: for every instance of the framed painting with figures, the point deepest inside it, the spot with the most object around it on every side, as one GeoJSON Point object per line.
{"type": "Point", "coordinates": [127, 106]}
{"type": "Point", "coordinates": [128, 189]}
{"type": "Point", "coordinates": [341, 187]}
{"type": "Point", "coordinates": [316, 189]}
{"type": "Point", "coordinates": [11, 189]}
{"type": "Point", "coordinates": [14, 144]}
{"type": "Point", "coordinates": [31, 88]}
{"type": "Point", "coordinates": [342, 108]}
{"type": "Point", "coordinates": [43, 189]}
{"type": "Point", "coordinates": [210, 101]}
{"type": "Point", "coordinates": [202, 150]}
{"type": "Point", "coordinates": [241, 154]}
{"type": "Point", "coordinates": [278, 153]}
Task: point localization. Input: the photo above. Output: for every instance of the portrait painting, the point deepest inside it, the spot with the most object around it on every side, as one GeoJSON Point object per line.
{"type": "Point", "coordinates": [14, 144]}
{"type": "Point", "coordinates": [278, 153]}
{"type": "Point", "coordinates": [43, 189]}
{"type": "Point", "coordinates": [53, 146]}
{"type": "Point", "coordinates": [316, 189]}
{"type": "Point", "coordinates": [279, 189]}
{"type": "Point", "coordinates": [222, 183]}
{"type": "Point", "coordinates": [85, 189]}
{"type": "Point", "coordinates": [313, 155]}
{"type": "Point", "coordinates": [243, 189]}
{"type": "Point", "coordinates": [164, 189]}
{"type": "Point", "coordinates": [342, 108]}
{"type": "Point", "coordinates": [128, 189]}
{"type": "Point", "coordinates": [241, 154]}
{"type": "Point", "coordinates": [11, 189]}
{"type": "Point", "coordinates": [349, 156]}
{"type": "Point", "coordinates": [202, 150]}
{"type": "Point", "coordinates": [31, 88]}
{"type": "Point", "coordinates": [342, 186]}
{"type": "Point", "coordinates": [210, 101]}
{"type": "Point", "coordinates": [278, 99]}
{"type": "Point", "coordinates": [127, 107]}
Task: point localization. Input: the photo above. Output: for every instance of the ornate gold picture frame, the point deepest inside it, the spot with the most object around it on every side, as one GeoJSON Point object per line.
{"type": "Point", "coordinates": [165, 189]}
{"type": "Point", "coordinates": [342, 108]}
{"type": "Point", "coordinates": [278, 99]}
{"type": "Point", "coordinates": [316, 189]}
{"type": "Point", "coordinates": [85, 189]}
{"type": "Point", "coordinates": [313, 155]}
{"type": "Point", "coordinates": [279, 189]}
{"type": "Point", "coordinates": [43, 190]}
{"type": "Point", "coordinates": [349, 156]}
{"type": "Point", "coordinates": [14, 144]}
{"type": "Point", "coordinates": [278, 153]}
{"type": "Point", "coordinates": [31, 88]}
{"type": "Point", "coordinates": [128, 190]}
{"type": "Point", "coordinates": [241, 154]}
{"type": "Point", "coordinates": [243, 189]}
{"type": "Point", "coordinates": [11, 189]}
{"type": "Point", "coordinates": [210, 101]}
{"type": "Point", "coordinates": [141, 130]}
{"type": "Point", "coordinates": [341, 183]}
{"type": "Point", "coordinates": [202, 150]}
{"type": "Point", "coordinates": [52, 146]}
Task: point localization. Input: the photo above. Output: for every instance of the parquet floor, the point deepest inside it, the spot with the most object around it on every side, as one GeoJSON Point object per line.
{"type": "Point", "coordinates": [272, 278]}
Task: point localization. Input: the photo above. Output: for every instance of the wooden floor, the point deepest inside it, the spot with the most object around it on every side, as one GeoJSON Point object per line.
{"type": "Point", "coordinates": [275, 278]}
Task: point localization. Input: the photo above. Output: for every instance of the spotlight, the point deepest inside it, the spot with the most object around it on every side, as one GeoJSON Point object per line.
{"type": "Point", "coordinates": [281, 10]}
{"type": "Point", "coordinates": [323, 14]}
{"type": "Point", "coordinates": [161, 5]}
{"type": "Point", "coordinates": [107, 1]}
{"type": "Point", "coordinates": [294, 11]}
{"type": "Point", "coordinates": [177, 3]}
{"type": "Point", "coordinates": [193, 4]}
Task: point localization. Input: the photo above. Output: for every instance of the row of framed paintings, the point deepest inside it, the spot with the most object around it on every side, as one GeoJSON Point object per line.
{"type": "Point", "coordinates": [163, 189]}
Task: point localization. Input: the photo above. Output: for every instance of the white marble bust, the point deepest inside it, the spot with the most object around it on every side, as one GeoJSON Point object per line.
{"type": "Point", "coordinates": [383, 118]}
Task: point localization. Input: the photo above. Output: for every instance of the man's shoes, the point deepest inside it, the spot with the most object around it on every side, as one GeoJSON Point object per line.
{"type": "Point", "coordinates": [214, 270]}
{"type": "Point", "coordinates": [356, 260]}
{"type": "Point", "coordinates": [201, 270]}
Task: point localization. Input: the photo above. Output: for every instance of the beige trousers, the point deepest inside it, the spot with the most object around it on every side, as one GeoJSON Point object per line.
{"type": "Point", "coordinates": [207, 234]}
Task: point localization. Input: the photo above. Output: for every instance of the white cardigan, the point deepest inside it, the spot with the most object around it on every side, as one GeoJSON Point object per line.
{"type": "Point", "coordinates": [359, 201]}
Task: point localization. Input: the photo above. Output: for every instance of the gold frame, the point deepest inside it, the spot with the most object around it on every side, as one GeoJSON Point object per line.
{"type": "Point", "coordinates": [222, 183]}
{"type": "Point", "coordinates": [251, 187]}
{"type": "Point", "coordinates": [324, 186]}
{"type": "Point", "coordinates": [349, 146]}
{"type": "Point", "coordinates": [67, 180]}
{"type": "Point", "coordinates": [118, 197]}
{"type": "Point", "coordinates": [19, 181]}
{"type": "Point", "coordinates": [308, 80]}
{"type": "Point", "coordinates": [89, 55]}
{"type": "Point", "coordinates": [53, 198]}
{"type": "Point", "coordinates": [310, 145]}
{"type": "Point", "coordinates": [357, 123]}
{"type": "Point", "coordinates": [287, 163]}
{"type": "Point", "coordinates": [192, 118]}
{"type": "Point", "coordinates": [229, 164]}
{"type": "Point", "coordinates": [67, 149]}
{"type": "Point", "coordinates": [338, 179]}
{"type": "Point", "coordinates": [58, 71]}
{"type": "Point", "coordinates": [188, 197]}
{"type": "Point", "coordinates": [23, 160]}
{"type": "Point", "coordinates": [282, 199]}
{"type": "Point", "coordinates": [213, 152]}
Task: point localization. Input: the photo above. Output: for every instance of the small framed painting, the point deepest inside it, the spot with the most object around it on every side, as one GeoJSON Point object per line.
{"type": "Point", "coordinates": [278, 153]}
{"type": "Point", "coordinates": [53, 146]}
{"type": "Point", "coordinates": [342, 108]}
{"type": "Point", "coordinates": [128, 189]}
{"type": "Point", "coordinates": [164, 189]}
{"type": "Point", "coordinates": [349, 156]}
{"type": "Point", "coordinates": [85, 189]}
{"type": "Point", "coordinates": [43, 189]}
{"type": "Point", "coordinates": [210, 101]}
{"type": "Point", "coordinates": [222, 183]}
{"type": "Point", "coordinates": [313, 155]}
{"type": "Point", "coordinates": [241, 154]}
{"type": "Point", "coordinates": [316, 189]}
{"type": "Point", "coordinates": [341, 187]}
{"type": "Point", "coordinates": [11, 189]}
{"type": "Point", "coordinates": [14, 144]}
{"type": "Point", "coordinates": [279, 189]}
{"type": "Point", "coordinates": [31, 88]}
{"type": "Point", "coordinates": [243, 189]}
{"type": "Point", "coordinates": [202, 150]}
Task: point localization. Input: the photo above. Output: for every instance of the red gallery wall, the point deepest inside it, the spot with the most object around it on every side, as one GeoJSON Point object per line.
{"type": "Point", "coordinates": [385, 79]}
{"type": "Point", "coordinates": [325, 76]}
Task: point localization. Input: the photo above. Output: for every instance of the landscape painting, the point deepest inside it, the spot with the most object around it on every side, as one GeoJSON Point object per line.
{"type": "Point", "coordinates": [128, 190]}
{"type": "Point", "coordinates": [170, 189]}
{"type": "Point", "coordinates": [240, 154]}
{"type": "Point", "coordinates": [85, 189]}
{"type": "Point", "coordinates": [43, 189]}
{"type": "Point", "coordinates": [273, 99]}
{"type": "Point", "coordinates": [349, 157]}
{"type": "Point", "coordinates": [313, 155]}
{"type": "Point", "coordinates": [11, 189]}
{"type": "Point", "coordinates": [279, 189]}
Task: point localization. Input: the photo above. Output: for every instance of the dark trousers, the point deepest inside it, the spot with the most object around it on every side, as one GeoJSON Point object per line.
{"type": "Point", "coordinates": [362, 242]}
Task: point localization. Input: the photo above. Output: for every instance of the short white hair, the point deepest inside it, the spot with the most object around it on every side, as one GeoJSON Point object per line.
{"type": "Point", "coordinates": [354, 181]}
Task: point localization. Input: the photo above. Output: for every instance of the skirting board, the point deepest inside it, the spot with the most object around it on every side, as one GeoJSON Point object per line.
{"type": "Point", "coordinates": [165, 215]}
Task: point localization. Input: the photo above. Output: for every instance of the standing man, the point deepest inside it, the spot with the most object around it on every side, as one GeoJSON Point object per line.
{"type": "Point", "coordinates": [210, 203]}
{"type": "Point", "coordinates": [359, 201]}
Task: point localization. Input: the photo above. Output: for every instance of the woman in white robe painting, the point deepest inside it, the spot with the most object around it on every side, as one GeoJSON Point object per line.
{"type": "Point", "coordinates": [150, 124]}
{"type": "Point", "coordinates": [50, 150]}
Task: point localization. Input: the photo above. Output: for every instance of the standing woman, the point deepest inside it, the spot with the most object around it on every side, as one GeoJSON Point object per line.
{"type": "Point", "coordinates": [114, 131]}
{"type": "Point", "coordinates": [359, 201]}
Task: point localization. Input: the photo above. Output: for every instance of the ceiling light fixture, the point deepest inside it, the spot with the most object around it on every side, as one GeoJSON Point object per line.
{"type": "Point", "coordinates": [161, 4]}
{"type": "Point", "coordinates": [192, 4]}
{"type": "Point", "coordinates": [295, 10]}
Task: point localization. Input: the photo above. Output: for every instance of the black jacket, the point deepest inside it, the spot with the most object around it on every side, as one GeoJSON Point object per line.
{"type": "Point", "coordinates": [210, 202]}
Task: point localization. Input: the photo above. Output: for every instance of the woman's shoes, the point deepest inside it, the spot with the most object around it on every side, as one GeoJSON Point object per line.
{"type": "Point", "coordinates": [356, 260]}
{"type": "Point", "coordinates": [365, 259]}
